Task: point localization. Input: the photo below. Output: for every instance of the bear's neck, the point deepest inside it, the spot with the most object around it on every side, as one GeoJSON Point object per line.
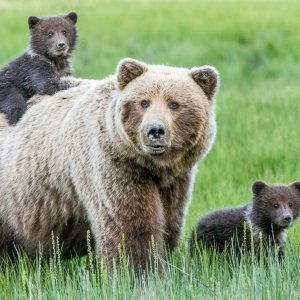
{"type": "Point", "coordinates": [61, 63]}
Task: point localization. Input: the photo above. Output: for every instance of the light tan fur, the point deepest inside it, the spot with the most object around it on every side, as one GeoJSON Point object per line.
{"type": "Point", "coordinates": [80, 157]}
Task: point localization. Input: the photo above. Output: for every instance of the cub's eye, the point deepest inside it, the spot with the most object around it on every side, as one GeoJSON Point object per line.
{"type": "Point", "coordinates": [50, 34]}
{"type": "Point", "coordinates": [290, 204]}
{"type": "Point", "coordinates": [64, 32]}
{"type": "Point", "coordinates": [145, 103]}
{"type": "Point", "coordinates": [275, 205]}
{"type": "Point", "coordinates": [173, 105]}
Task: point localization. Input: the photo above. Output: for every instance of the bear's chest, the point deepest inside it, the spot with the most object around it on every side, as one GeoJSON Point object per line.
{"type": "Point", "coordinates": [62, 68]}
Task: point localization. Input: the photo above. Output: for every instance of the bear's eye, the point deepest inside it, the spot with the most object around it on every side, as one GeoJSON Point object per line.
{"type": "Point", "coordinates": [290, 204]}
{"type": "Point", "coordinates": [275, 205]}
{"type": "Point", "coordinates": [145, 103]}
{"type": "Point", "coordinates": [50, 34]}
{"type": "Point", "coordinates": [173, 105]}
{"type": "Point", "coordinates": [64, 32]}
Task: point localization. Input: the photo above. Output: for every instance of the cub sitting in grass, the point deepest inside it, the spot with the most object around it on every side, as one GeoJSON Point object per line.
{"type": "Point", "coordinates": [274, 208]}
{"type": "Point", "coordinates": [38, 71]}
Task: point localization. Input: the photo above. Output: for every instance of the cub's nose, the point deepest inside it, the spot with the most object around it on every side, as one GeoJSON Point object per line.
{"type": "Point", "coordinates": [287, 219]}
{"type": "Point", "coordinates": [155, 131]}
{"type": "Point", "coordinates": [61, 45]}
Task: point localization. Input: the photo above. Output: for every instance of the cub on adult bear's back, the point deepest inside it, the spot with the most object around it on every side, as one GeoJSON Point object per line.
{"type": "Point", "coordinates": [38, 71]}
{"type": "Point", "coordinates": [273, 209]}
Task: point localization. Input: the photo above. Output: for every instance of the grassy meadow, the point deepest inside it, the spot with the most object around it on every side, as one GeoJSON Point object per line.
{"type": "Point", "coordinates": [256, 47]}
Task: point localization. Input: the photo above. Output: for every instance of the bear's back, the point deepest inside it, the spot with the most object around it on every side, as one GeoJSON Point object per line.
{"type": "Point", "coordinates": [220, 227]}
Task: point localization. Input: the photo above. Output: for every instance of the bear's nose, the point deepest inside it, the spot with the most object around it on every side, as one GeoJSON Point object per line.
{"type": "Point", "coordinates": [288, 219]}
{"type": "Point", "coordinates": [61, 45]}
{"type": "Point", "coordinates": [155, 131]}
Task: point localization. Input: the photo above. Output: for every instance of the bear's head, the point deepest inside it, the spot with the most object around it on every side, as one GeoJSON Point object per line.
{"type": "Point", "coordinates": [166, 113]}
{"type": "Point", "coordinates": [53, 36]}
{"type": "Point", "coordinates": [278, 205]}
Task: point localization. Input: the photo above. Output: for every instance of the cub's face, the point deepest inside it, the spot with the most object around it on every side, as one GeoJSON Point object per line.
{"type": "Point", "coordinates": [53, 36]}
{"type": "Point", "coordinates": [280, 204]}
{"type": "Point", "coordinates": [165, 111]}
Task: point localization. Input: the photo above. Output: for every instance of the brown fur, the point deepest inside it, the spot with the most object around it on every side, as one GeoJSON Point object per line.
{"type": "Point", "coordinates": [86, 155]}
{"type": "Point", "coordinates": [38, 71]}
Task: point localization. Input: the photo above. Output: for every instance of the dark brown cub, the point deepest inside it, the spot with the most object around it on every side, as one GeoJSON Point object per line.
{"type": "Point", "coordinates": [38, 71]}
{"type": "Point", "coordinates": [273, 209]}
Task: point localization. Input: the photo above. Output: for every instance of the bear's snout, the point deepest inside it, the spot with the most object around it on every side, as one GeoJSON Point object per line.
{"type": "Point", "coordinates": [61, 45]}
{"type": "Point", "coordinates": [286, 220]}
{"type": "Point", "coordinates": [155, 131]}
{"type": "Point", "coordinates": [155, 136]}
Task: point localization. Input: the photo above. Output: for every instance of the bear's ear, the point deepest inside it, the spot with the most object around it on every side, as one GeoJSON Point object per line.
{"type": "Point", "coordinates": [72, 16]}
{"type": "Point", "coordinates": [296, 184]}
{"type": "Point", "coordinates": [32, 21]}
{"type": "Point", "coordinates": [129, 69]}
{"type": "Point", "coordinates": [207, 78]}
{"type": "Point", "coordinates": [258, 186]}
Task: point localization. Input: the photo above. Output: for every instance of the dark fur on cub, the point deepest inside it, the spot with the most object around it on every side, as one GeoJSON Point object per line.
{"type": "Point", "coordinates": [273, 209]}
{"type": "Point", "coordinates": [38, 71]}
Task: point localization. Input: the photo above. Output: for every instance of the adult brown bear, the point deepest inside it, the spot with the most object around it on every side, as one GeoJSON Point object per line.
{"type": "Point", "coordinates": [119, 153]}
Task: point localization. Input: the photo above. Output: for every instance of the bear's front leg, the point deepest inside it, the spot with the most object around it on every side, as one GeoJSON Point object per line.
{"type": "Point", "coordinates": [175, 199]}
{"type": "Point", "coordinates": [46, 82]}
{"type": "Point", "coordinates": [129, 216]}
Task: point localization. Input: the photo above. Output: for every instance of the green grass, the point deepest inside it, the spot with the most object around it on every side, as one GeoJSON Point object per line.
{"type": "Point", "coordinates": [255, 45]}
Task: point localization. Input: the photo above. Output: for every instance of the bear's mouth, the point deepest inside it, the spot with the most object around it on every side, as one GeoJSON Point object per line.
{"type": "Point", "coordinates": [155, 149]}
{"type": "Point", "coordinates": [284, 224]}
{"type": "Point", "coordinates": [60, 51]}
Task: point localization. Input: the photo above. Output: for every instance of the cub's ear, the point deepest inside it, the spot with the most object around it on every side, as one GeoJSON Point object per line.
{"type": "Point", "coordinates": [296, 184]}
{"type": "Point", "coordinates": [72, 16]}
{"type": "Point", "coordinates": [258, 186]}
{"type": "Point", "coordinates": [32, 21]}
{"type": "Point", "coordinates": [129, 69]}
{"type": "Point", "coordinates": [207, 78]}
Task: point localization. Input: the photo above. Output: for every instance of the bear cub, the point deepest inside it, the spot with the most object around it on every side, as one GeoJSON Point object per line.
{"type": "Point", "coordinates": [264, 221]}
{"type": "Point", "coordinates": [38, 71]}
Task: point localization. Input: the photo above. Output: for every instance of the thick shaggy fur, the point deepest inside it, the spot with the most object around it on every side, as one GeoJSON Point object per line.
{"type": "Point", "coordinates": [274, 208]}
{"type": "Point", "coordinates": [38, 71]}
{"type": "Point", "coordinates": [88, 156]}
